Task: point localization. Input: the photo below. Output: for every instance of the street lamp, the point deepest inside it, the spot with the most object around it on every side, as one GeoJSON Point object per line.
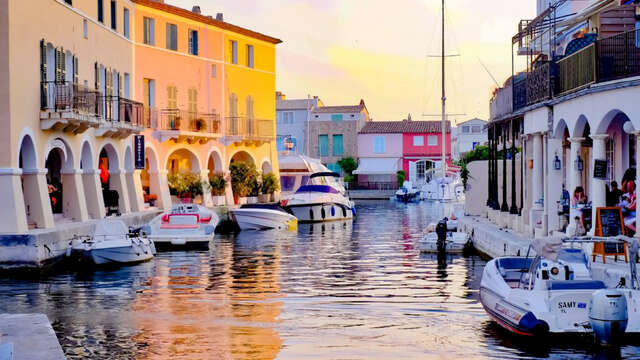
{"type": "Point", "coordinates": [579, 164]}
{"type": "Point", "coordinates": [557, 164]}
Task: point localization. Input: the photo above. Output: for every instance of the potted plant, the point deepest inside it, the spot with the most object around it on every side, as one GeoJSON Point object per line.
{"type": "Point", "coordinates": [242, 174]}
{"type": "Point", "coordinates": [254, 190]}
{"type": "Point", "coordinates": [185, 186]}
{"type": "Point", "coordinates": [199, 125]}
{"type": "Point", "coordinates": [270, 184]}
{"type": "Point", "coordinates": [217, 183]}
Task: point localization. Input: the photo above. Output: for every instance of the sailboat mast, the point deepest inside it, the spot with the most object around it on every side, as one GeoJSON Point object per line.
{"type": "Point", "coordinates": [444, 110]}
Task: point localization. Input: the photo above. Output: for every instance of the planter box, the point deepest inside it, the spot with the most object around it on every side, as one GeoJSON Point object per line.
{"type": "Point", "coordinates": [218, 200]}
{"type": "Point", "coordinates": [242, 200]}
{"type": "Point", "coordinates": [252, 200]}
{"type": "Point", "coordinates": [265, 198]}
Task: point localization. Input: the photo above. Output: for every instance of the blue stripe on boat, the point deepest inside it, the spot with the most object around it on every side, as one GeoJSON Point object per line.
{"type": "Point", "coordinates": [317, 188]}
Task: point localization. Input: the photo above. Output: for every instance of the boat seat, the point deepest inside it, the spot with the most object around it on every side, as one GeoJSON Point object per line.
{"type": "Point", "coordinates": [575, 285]}
{"type": "Point", "coordinates": [181, 221]}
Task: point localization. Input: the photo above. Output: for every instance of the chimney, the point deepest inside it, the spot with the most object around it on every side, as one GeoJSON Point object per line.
{"type": "Point", "coordinates": [280, 96]}
{"type": "Point", "coordinates": [219, 17]}
{"type": "Point", "coordinates": [196, 10]}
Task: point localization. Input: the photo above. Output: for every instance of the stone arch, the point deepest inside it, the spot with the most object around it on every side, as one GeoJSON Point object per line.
{"type": "Point", "coordinates": [266, 166]}
{"type": "Point", "coordinates": [558, 132]}
{"type": "Point", "coordinates": [86, 156]}
{"type": "Point", "coordinates": [27, 155]}
{"type": "Point", "coordinates": [151, 158]}
{"type": "Point", "coordinates": [241, 155]}
{"type": "Point", "coordinates": [611, 117]}
{"type": "Point", "coordinates": [34, 190]}
{"type": "Point", "coordinates": [109, 152]}
{"type": "Point", "coordinates": [580, 126]}
{"type": "Point", "coordinates": [128, 159]}
{"type": "Point", "coordinates": [59, 162]}
{"type": "Point", "coordinates": [182, 159]}
{"type": "Point", "coordinates": [215, 164]}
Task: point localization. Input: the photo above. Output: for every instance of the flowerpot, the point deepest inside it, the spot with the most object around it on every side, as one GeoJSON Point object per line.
{"type": "Point", "coordinates": [218, 200]}
{"type": "Point", "coordinates": [252, 200]}
{"type": "Point", "coordinates": [241, 201]}
{"type": "Point", "coordinates": [264, 198]}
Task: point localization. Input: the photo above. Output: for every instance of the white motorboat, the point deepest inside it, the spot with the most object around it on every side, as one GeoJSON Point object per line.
{"type": "Point", "coordinates": [295, 171]}
{"type": "Point", "coordinates": [264, 216]}
{"type": "Point", "coordinates": [112, 243]}
{"type": "Point", "coordinates": [183, 225]}
{"type": "Point", "coordinates": [322, 199]}
{"type": "Point", "coordinates": [455, 241]}
{"type": "Point", "coordinates": [407, 192]}
{"type": "Point", "coordinates": [447, 189]}
{"type": "Point", "coordinates": [559, 291]}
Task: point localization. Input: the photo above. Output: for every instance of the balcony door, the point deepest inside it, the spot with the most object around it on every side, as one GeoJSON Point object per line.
{"type": "Point", "coordinates": [172, 107]}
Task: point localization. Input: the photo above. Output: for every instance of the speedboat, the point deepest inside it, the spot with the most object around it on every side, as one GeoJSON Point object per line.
{"type": "Point", "coordinates": [264, 216]}
{"type": "Point", "coordinates": [112, 243]}
{"type": "Point", "coordinates": [183, 225]}
{"type": "Point", "coordinates": [407, 192]}
{"type": "Point", "coordinates": [560, 292]}
{"type": "Point", "coordinates": [455, 241]}
{"type": "Point", "coordinates": [322, 199]}
{"type": "Point", "coordinates": [447, 188]}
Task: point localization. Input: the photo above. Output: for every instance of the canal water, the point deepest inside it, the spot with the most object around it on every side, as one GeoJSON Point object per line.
{"type": "Point", "coordinates": [356, 290]}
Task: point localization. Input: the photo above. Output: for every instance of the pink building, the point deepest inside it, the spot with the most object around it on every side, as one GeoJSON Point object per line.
{"type": "Point", "coordinates": [384, 147]}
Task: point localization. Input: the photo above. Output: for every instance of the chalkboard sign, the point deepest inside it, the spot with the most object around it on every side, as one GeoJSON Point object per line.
{"type": "Point", "coordinates": [600, 169]}
{"type": "Point", "coordinates": [609, 223]}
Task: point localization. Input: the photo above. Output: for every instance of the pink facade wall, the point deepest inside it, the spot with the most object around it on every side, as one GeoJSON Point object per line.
{"type": "Point", "coordinates": [414, 153]}
{"type": "Point", "coordinates": [393, 146]}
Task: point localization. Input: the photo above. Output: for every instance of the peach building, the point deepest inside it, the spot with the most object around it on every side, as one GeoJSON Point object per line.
{"type": "Point", "coordinates": [82, 78]}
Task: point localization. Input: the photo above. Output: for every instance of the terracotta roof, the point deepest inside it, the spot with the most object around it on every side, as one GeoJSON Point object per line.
{"type": "Point", "coordinates": [340, 109]}
{"type": "Point", "coordinates": [399, 127]}
{"type": "Point", "coordinates": [206, 20]}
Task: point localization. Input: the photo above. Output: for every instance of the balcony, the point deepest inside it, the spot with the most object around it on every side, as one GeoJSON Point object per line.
{"type": "Point", "coordinates": [540, 83]}
{"type": "Point", "coordinates": [519, 91]}
{"type": "Point", "coordinates": [68, 107]}
{"type": "Point", "coordinates": [619, 56]}
{"type": "Point", "coordinates": [577, 70]}
{"type": "Point", "coordinates": [122, 117]}
{"type": "Point", "coordinates": [502, 102]}
{"type": "Point", "coordinates": [183, 126]}
{"type": "Point", "coordinates": [242, 128]}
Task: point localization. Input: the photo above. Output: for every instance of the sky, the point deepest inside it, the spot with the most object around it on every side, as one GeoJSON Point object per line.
{"type": "Point", "coordinates": [381, 51]}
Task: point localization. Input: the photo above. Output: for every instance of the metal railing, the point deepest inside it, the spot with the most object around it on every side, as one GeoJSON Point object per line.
{"type": "Point", "coordinates": [540, 83]}
{"type": "Point", "coordinates": [519, 92]}
{"type": "Point", "coordinates": [619, 56]}
{"type": "Point", "coordinates": [182, 120]}
{"type": "Point", "coordinates": [577, 70]}
{"type": "Point", "coordinates": [251, 128]}
{"type": "Point", "coordinates": [373, 185]}
{"type": "Point", "coordinates": [131, 112]}
{"type": "Point", "coordinates": [63, 96]}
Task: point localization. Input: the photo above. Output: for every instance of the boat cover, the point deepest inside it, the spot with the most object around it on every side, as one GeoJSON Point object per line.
{"type": "Point", "coordinates": [547, 247]}
{"type": "Point", "coordinates": [110, 229]}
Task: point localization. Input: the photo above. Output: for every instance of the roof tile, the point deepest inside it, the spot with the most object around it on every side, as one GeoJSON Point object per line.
{"type": "Point", "coordinates": [400, 127]}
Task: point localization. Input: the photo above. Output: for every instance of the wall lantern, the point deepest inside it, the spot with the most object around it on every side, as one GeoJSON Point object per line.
{"type": "Point", "coordinates": [530, 163]}
{"type": "Point", "coordinates": [557, 164]}
{"type": "Point", "coordinates": [579, 164]}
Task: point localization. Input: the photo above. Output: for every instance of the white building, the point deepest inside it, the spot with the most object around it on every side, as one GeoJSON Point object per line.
{"type": "Point", "coordinates": [292, 116]}
{"type": "Point", "coordinates": [467, 135]}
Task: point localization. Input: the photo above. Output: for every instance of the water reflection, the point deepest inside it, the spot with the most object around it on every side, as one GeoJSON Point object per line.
{"type": "Point", "coordinates": [356, 290]}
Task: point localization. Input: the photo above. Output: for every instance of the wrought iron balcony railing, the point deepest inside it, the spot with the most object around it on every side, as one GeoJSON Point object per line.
{"type": "Point", "coordinates": [64, 96]}
{"type": "Point", "coordinates": [250, 128]}
{"type": "Point", "coordinates": [619, 56]}
{"type": "Point", "coordinates": [577, 70]}
{"type": "Point", "coordinates": [540, 83]}
{"type": "Point", "coordinates": [182, 120]}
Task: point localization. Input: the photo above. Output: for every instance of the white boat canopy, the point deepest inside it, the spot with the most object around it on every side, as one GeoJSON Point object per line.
{"type": "Point", "coordinates": [377, 166]}
{"type": "Point", "coordinates": [547, 247]}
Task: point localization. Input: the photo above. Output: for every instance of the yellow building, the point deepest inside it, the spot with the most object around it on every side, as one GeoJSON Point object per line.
{"type": "Point", "coordinates": [208, 89]}
{"type": "Point", "coordinates": [71, 71]}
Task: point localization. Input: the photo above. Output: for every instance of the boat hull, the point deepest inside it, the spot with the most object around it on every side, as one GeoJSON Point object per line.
{"type": "Point", "coordinates": [456, 243]}
{"type": "Point", "coordinates": [307, 213]}
{"type": "Point", "coordinates": [120, 255]}
{"type": "Point", "coordinates": [259, 219]}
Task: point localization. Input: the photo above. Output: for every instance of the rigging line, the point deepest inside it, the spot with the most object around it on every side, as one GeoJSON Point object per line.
{"type": "Point", "coordinates": [488, 72]}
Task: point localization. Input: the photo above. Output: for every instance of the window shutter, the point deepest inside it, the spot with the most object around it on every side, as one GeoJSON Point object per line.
{"type": "Point", "coordinates": [120, 85]}
{"type": "Point", "coordinates": [57, 64]}
{"type": "Point", "coordinates": [75, 70]}
{"type": "Point", "coordinates": [43, 60]}
{"type": "Point", "coordinates": [63, 66]}
{"type": "Point", "coordinates": [97, 76]}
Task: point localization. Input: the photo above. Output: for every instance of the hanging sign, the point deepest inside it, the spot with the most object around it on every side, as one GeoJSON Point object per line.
{"type": "Point", "coordinates": [139, 152]}
{"type": "Point", "coordinates": [600, 169]}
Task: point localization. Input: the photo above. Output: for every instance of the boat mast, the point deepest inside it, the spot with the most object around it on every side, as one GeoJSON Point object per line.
{"type": "Point", "coordinates": [444, 110]}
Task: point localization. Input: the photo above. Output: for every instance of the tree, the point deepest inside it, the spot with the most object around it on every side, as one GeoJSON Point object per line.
{"type": "Point", "coordinates": [348, 166]}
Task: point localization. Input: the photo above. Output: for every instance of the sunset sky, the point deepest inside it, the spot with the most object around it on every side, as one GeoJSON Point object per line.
{"type": "Point", "coordinates": [344, 50]}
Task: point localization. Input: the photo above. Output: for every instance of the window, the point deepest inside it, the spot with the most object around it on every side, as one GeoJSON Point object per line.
{"type": "Point", "coordinates": [214, 70]}
{"type": "Point", "coordinates": [193, 42]}
{"type": "Point", "coordinates": [378, 145]}
{"type": "Point", "coordinates": [127, 86]}
{"type": "Point", "coordinates": [610, 147]}
{"type": "Point", "coordinates": [476, 129]}
{"type": "Point", "coordinates": [125, 24]}
{"type": "Point", "coordinates": [149, 99]}
{"type": "Point", "coordinates": [287, 183]}
{"type": "Point", "coordinates": [172, 97]}
{"type": "Point", "coordinates": [465, 129]}
{"type": "Point", "coordinates": [85, 28]}
{"type": "Point", "coordinates": [335, 168]}
{"type": "Point", "coordinates": [234, 52]}
{"type": "Point", "coordinates": [193, 101]}
{"type": "Point", "coordinates": [323, 145]}
{"type": "Point", "coordinates": [149, 31]}
{"type": "Point", "coordinates": [172, 37]}
{"type": "Point", "coordinates": [114, 14]}
{"type": "Point", "coordinates": [287, 117]}
{"type": "Point", "coordinates": [474, 145]}
{"type": "Point", "coordinates": [250, 56]}
{"type": "Point", "coordinates": [418, 141]}
{"type": "Point", "coordinates": [101, 11]}
{"type": "Point", "coordinates": [68, 2]}
{"type": "Point", "coordinates": [336, 117]}
{"type": "Point", "coordinates": [432, 140]}
{"type": "Point", "coordinates": [337, 145]}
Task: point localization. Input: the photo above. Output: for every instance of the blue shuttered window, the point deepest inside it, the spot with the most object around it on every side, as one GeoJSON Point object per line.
{"type": "Point", "coordinates": [172, 37]}
{"type": "Point", "coordinates": [337, 145]}
{"type": "Point", "coordinates": [193, 42]}
{"type": "Point", "coordinates": [378, 145]}
{"type": "Point", "coordinates": [323, 145]}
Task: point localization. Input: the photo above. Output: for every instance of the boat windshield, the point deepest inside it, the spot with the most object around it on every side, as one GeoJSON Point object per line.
{"type": "Point", "coordinates": [573, 256]}
{"type": "Point", "coordinates": [328, 181]}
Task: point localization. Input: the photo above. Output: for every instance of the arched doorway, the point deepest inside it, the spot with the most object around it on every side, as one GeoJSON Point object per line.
{"type": "Point", "coordinates": [114, 194]}
{"type": "Point", "coordinates": [34, 186]}
{"type": "Point", "coordinates": [91, 183]}
{"type": "Point", "coordinates": [183, 161]}
{"type": "Point", "coordinates": [266, 167]}
{"type": "Point", "coordinates": [183, 169]}
{"type": "Point", "coordinates": [242, 168]}
{"type": "Point", "coordinates": [64, 184]}
{"type": "Point", "coordinates": [53, 164]}
{"type": "Point", "coordinates": [132, 178]}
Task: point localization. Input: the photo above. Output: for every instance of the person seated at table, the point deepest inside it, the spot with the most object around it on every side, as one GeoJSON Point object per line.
{"type": "Point", "coordinates": [578, 196]}
{"type": "Point", "coordinates": [613, 194]}
{"type": "Point", "coordinates": [628, 205]}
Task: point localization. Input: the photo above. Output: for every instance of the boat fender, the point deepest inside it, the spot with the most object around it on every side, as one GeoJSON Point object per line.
{"type": "Point", "coordinates": [333, 211]}
{"type": "Point", "coordinates": [353, 211]}
{"type": "Point", "coordinates": [322, 213]}
{"type": "Point", "coordinates": [209, 229]}
{"type": "Point", "coordinates": [311, 214]}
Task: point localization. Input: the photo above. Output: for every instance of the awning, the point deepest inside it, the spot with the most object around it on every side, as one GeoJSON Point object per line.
{"type": "Point", "coordinates": [377, 166]}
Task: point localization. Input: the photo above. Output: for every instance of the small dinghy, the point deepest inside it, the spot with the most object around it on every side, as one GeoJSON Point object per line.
{"type": "Point", "coordinates": [559, 292]}
{"type": "Point", "coordinates": [408, 192]}
{"type": "Point", "coordinates": [264, 216]}
{"type": "Point", "coordinates": [455, 242]}
{"type": "Point", "coordinates": [182, 226]}
{"type": "Point", "coordinates": [113, 243]}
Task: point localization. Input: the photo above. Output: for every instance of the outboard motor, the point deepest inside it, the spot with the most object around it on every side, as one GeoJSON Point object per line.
{"type": "Point", "coordinates": [608, 315]}
{"type": "Point", "coordinates": [441, 231]}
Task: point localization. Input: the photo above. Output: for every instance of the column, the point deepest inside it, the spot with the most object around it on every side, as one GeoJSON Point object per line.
{"type": "Point", "coordinates": [159, 186]}
{"type": "Point", "coordinates": [74, 205]}
{"type": "Point", "coordinates": [514, 206]}
{"type": "Point", "coordinates": [537, 174]}
{"type": "Point", "coordinates": [494, 170]}
{"type": "Point", "coordinates": [207, 200]}
{"type": "Point", "coordinates": [523, 169]}
{"type": "Point", "coordinates": [93, 193]}
{"type": "Point", "coordinates": [505, 205]}
{"type": "Point", "coordinates": [489, 162]}
{"type": "Point", "coordinates": [598, 194]}
{"type": "Point", "coordinates": [228, 189]}
{"type": "Point", "coordinates": [117, 182]}
{"type": "Point", "coordinates": [575, 176]}
{"type": "Point", "coordinates": [134, 186]}
{"type": "Point", "coordinates": [36, 198]}
{"type": "Point", "coordinates": [637, 134]}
